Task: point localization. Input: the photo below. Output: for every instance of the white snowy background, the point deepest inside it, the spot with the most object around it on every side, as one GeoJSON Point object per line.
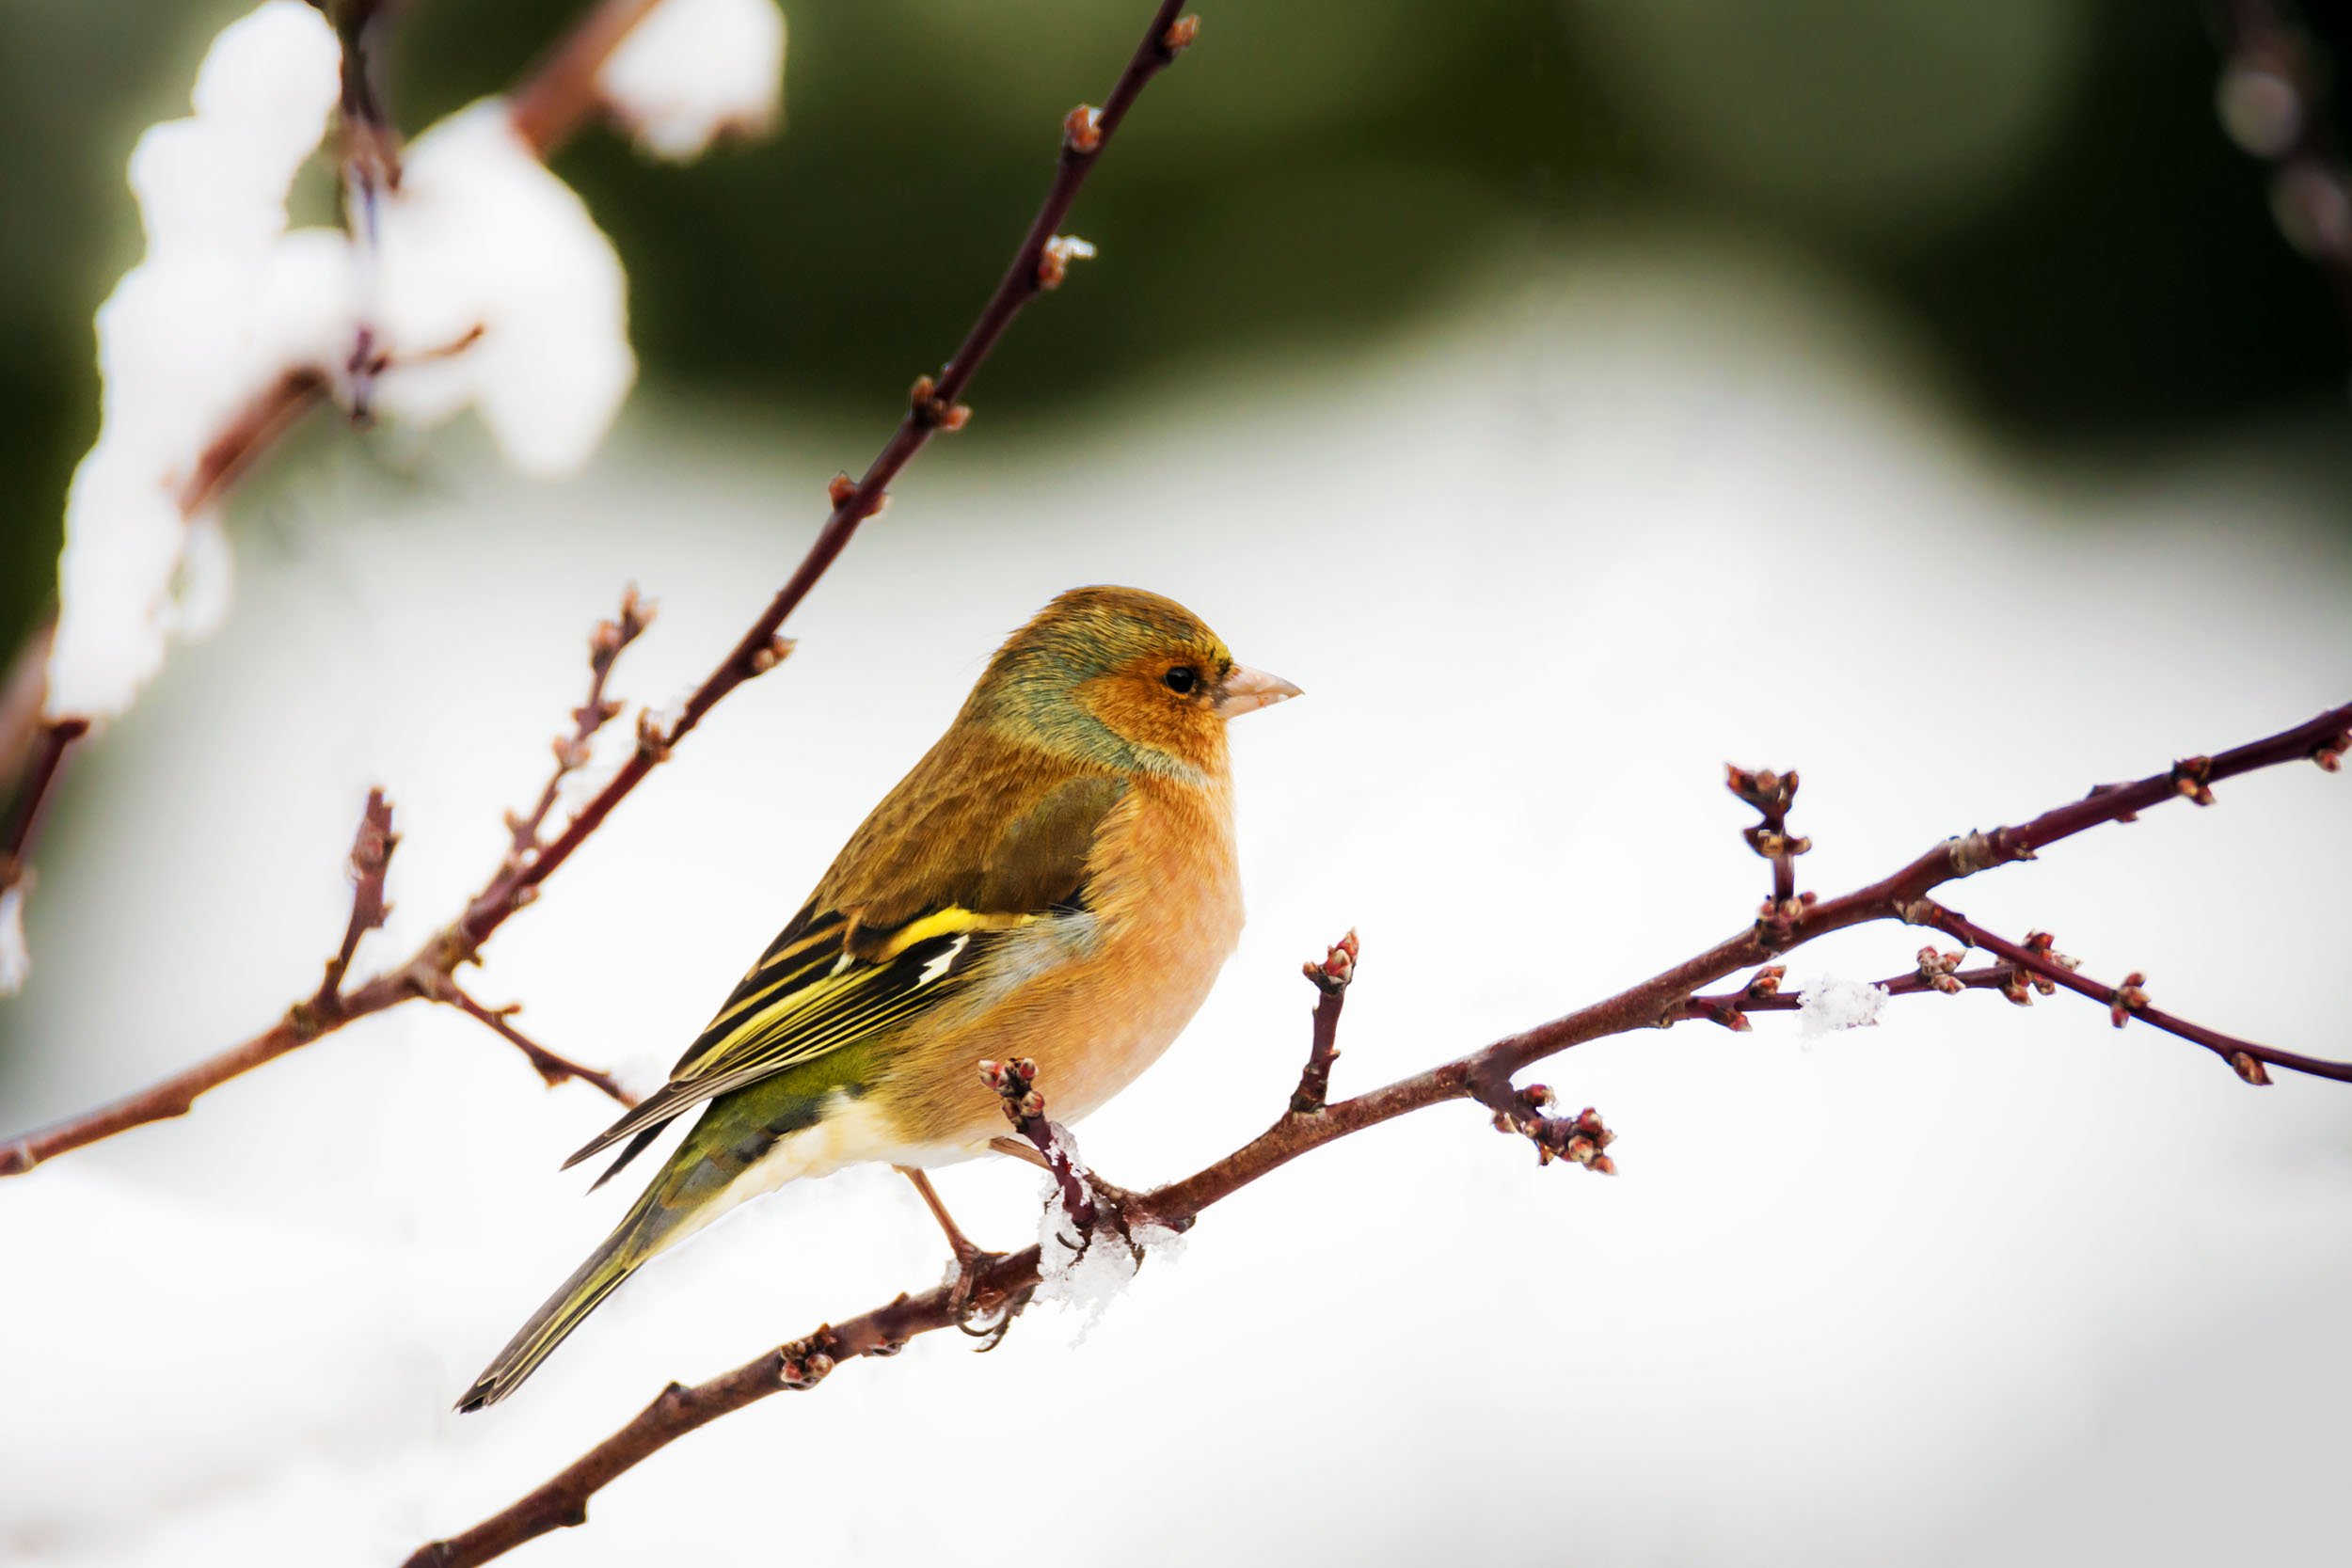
{"type": "Point", "coordinates": [1976, 1286]}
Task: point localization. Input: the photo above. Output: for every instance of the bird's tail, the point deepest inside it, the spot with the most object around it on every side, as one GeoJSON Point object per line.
{"type": "Point", "coordinates": [637, 1238]}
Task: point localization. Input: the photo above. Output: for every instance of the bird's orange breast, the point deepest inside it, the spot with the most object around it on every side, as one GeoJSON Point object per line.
{"type": "Point", "coordinates": [1094, 997]}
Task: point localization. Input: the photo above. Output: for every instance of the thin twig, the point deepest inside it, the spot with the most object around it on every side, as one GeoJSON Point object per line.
{"type": "Point", "coordinates": [1772, 794]}
{"type": "Point", "coordinates": [605, 644]}
{"type": "Point", "coordinates": [371, 861]}
{"type": "Point", "coordinates": [1482, 1075]}
{"type": "Point", "coordinates": [371, 169]}
{"type": "Point", "coordinates": [2129, 1001]}
{"type": "Point", "coordinates": [47, 761]}
{"type": "Point", "coordinates": [520, 877]}
{"type": "Point", "coordinates": [1015, 1082]}
{"type": "Point", "coordinates": [553, 1068]}
{"type": "Point", "coordinates": [560, 94]}
{"type": "Point", "coordinates": [1765, 992]}
{"type": "Point", "coordinates": [1330, 979]}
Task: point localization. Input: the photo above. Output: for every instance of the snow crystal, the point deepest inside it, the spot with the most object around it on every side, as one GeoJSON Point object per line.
{"type": "Point", "coordinates": [185, 341]}
{"type": "Point", "coordinates": [695, 68]}
{"type": "Point", "coordinates": [1829, 1004]}
{"type": "Point", "coordinates": [1088, 1276]}
{"type": "Point", "coordinates": [483, 244]}
{"type": "Point", "coordinates": [16, 961]}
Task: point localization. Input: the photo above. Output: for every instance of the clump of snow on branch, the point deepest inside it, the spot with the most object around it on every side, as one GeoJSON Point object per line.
{"type": "Point", "coordinates": [499, 291]}
{"type": "Point", "coordinates": [1827, 1004]}
{"type": "Point", "coordinates": [16, 961]}
{"type": "Point", "coordinates": [202, 325]}
{"type": "Point", "coordinates": [1087, 1276]}
{"type": "Point", "coordinates": [493, 289]}
{"type": "Point", "coordinates": [696, 69]}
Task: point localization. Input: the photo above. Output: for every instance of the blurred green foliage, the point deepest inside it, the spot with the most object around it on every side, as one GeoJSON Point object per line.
{"type": "Point", "coordinates": [2039, 184]}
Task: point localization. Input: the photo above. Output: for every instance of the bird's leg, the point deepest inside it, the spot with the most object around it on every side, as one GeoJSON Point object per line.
{"type": "Point", "coordinates": [971, 1261]}
{"type": "Point", "coordinates": [957, 1241]}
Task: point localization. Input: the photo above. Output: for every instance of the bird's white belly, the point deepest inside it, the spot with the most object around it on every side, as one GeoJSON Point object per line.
{"type": "Point", "coordinates": [851, 1131]}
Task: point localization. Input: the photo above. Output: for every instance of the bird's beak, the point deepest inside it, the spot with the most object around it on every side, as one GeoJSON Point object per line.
{"type": "Point", "coordinates": [1245, 691]}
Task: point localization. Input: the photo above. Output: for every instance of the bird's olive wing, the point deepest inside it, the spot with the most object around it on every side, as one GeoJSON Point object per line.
{"type": "Point", "coordinates": [843, 970]}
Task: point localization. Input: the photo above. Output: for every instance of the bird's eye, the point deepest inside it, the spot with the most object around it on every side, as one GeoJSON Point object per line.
{"type": "Point", "coordinates": [1182, 678]}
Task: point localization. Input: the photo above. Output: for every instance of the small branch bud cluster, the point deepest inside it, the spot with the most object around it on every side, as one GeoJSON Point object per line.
{"type": "Point", "coordinates": [1770, 793]}
{"type": "Point", "coordinates": [2042, 945]}
{"type": "Point", "coordinates": [1082, 130]}
{"type": "Point", "coordinates": [1052, 262]}
{"type": "Point", "coordinates": [2191, 777]}
{"type": "Point", "coordinates": [1579, 1139]}
{"type": "Point", "coordinates": [929, 409]}
{"type": "Point", "coordinates": [1015, 1083]}
{"type": "Point", "coordinates": [2128, 998]}
{"type": "Point", "coordinates": [805, 1363]}
{"type": "Point", "coordinates": [1940, 971]}
{"type": "Point", "coordinates": [1337, 967]}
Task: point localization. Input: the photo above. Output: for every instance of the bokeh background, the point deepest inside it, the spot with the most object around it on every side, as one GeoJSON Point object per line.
{"type": "Point", "coordinates": [1570, 396]}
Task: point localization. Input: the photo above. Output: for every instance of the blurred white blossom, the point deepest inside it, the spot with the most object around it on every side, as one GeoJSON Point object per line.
{"type": "Point", "coordinates": [696, 69]}
{"type": "Point", "coordinates": [490, 287]}
{"type": "Point", "coordinates": [189, 337]}
{"type": "Point", "coordinates": [482, 244]}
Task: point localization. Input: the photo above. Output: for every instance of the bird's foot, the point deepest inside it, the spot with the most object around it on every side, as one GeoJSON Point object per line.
{"type": "Point", "coordinates": [978, 1308]}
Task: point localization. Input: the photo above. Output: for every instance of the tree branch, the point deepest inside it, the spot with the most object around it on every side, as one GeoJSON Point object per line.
{"type": "Point", "coordinates": [522, 872]}
{"type": "Point", "coordinates": [1483, 1075]}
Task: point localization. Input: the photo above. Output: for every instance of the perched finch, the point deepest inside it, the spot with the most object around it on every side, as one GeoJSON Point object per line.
{"type": "Point", "coordinates": [1056, 879]}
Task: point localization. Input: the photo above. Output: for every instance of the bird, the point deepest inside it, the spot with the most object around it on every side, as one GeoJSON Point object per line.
{"type": "Point", "coordinates": [1056, 879]}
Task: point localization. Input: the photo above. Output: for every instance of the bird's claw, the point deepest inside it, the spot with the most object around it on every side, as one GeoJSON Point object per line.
{"type": "Point", "coordinates": [980, 1315]}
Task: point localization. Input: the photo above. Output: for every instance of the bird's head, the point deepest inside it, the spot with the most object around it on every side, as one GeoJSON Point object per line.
{"type": "Point", "coordinates": [1123, 678]}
